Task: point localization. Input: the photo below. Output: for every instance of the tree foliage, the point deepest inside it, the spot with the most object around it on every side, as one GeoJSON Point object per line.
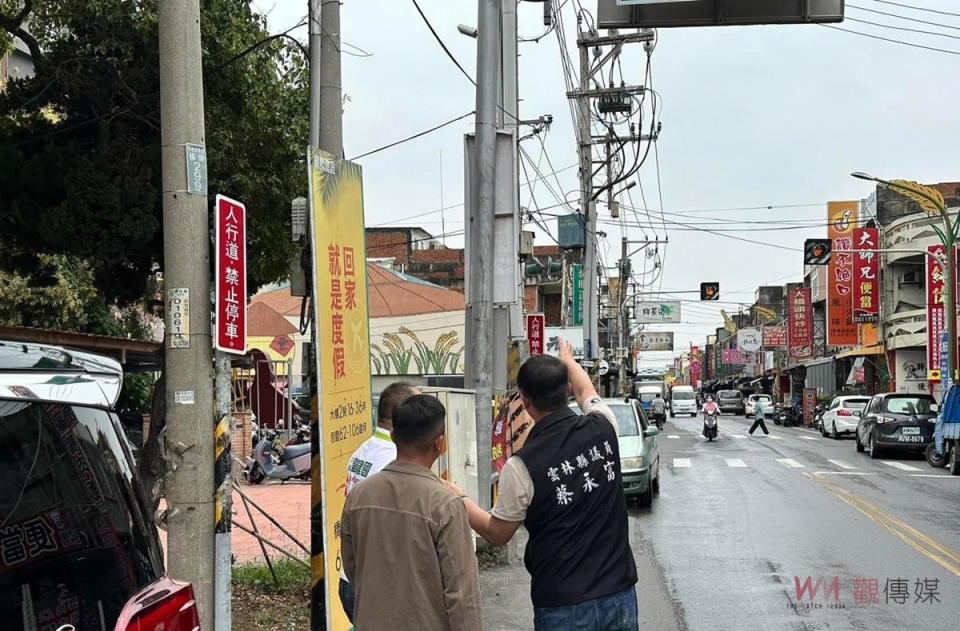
{"type": "Point", "coordinates": [80, 141]}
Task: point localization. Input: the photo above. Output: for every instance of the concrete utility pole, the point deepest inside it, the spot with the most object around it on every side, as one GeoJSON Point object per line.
{"type": "Point", "coordinates": [588, 209]}
{"type": "Point", "coordinates": [585, 140]}
{"type": "Point", "coordinates": [622, 314]}
{"type": "Point", "coordinates": [186, 251]}
{"type": "Point", "coordinates": [479, 309]}
{"type": "Point", "coordinates": [326, 134]}
{"type": "Point", "coordinates": [331, 91]}
{"type": "Point", "coordinates": [315, 45]}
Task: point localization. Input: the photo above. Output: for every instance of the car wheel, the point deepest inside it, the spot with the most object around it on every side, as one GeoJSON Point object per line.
{"type": "Point", "coordinates": [834, 435]}
{"type": "Point", "coordinates": [859, 444]}
{"type": "Point", "coordinates": [646, 498]}
{"type": "Point", "coordinates": [656, 484]}
{"type": "Point", "coordinates": [874, 450]}
{"type": "Point", "coordinates": [954, 459]}
{"type": "Point", "coordinates": [934, 457]}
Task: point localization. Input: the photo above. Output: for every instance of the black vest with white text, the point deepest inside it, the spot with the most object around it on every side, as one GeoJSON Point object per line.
{"type": "Point", "coordinates": [579, 546]}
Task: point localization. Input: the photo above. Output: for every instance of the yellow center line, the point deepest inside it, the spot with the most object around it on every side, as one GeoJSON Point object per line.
{"type": "Point", "coordinates": [928, 547]}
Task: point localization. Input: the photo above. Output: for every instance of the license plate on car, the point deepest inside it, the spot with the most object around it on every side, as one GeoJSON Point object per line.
{"type": "Point", "coordinates": [910, 439]}
{"type": "Point", "coordinates": [909, 430]}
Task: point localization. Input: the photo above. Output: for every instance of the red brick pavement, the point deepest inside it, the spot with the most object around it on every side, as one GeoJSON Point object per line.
{"type": "Point", "coordinates": [288, 503]}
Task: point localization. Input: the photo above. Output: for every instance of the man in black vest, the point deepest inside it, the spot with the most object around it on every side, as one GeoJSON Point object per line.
{"type": "Point", "coordinates": [565, 486]}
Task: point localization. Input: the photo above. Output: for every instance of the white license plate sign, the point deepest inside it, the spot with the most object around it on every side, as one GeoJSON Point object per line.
{"type": "Point", "coordinates": [910, 439]}
{"type": "Point", "coordinates": [909, 430]}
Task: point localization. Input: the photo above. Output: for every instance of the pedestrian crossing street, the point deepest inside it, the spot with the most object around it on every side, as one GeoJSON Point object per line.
{"type": "Point", "coordinates": [789, 463]}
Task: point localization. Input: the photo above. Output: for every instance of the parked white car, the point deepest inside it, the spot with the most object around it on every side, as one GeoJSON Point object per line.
{"type": "Point", "coordinates": [843, 415]}
{"type": "Point", "coordinates": [751, 405]}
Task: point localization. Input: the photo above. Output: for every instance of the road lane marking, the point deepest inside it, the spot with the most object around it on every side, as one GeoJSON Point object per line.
{"type": "Point", "coordinates": [738, 435]}
{"type": "Point", "coordinates": [681, 463]}
{"type": "Point", "coordinates": [776, 437]}
{"type": "Point", "coordinates": [841, 464]}
{"type": "Point", "coordinates": [901, 466]}
{"type": "Point", "coordinates": [790, 462]}
{"type": "Point", "coordinates": [736, 463]}
{"type": "Point", "coordinates": [932, 475]}
{"type": "Point", "coordinates": [809, 438]}
{"type": "Point", "coordinates": [934, 550]}
{"type": "Point", "coordinates": [843, 473]}
{"type": "Point", "coordinates": [677, 436]}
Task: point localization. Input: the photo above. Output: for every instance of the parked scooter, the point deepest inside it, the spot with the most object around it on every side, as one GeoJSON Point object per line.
{"type": "Point", "coordinates": [710, 425]}
{"type": "Point", "coordinates": [269, 462]}
{"type": "Point", "coordinates": [818, 418]}
{"type": "Point", "coordinates": [789, 416]}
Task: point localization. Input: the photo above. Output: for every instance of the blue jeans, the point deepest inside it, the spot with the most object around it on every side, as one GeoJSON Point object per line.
{"type": "Point", "coordinates": [616, 612]}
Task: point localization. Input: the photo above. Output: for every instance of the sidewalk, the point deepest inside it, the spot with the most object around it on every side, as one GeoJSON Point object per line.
{"type": "Point", "coordinates": [288, 503]}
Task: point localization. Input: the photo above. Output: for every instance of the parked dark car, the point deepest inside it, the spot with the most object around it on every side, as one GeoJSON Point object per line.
{"type": "Point", "coordinates": [902, 422]}
{"type": "Point", "coordinates": [78, 546]}
{"type": "Point", "coordinates": [731, 401]}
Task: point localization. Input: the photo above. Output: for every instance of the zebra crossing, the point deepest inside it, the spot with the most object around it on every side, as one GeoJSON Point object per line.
{"type": "Point", "coordinates": [838, 466]}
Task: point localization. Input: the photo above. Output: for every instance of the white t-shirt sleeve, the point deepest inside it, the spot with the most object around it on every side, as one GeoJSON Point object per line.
{"type": "Point", "coordinates": [515, 491]}
{"type": "Point", "coordinates": [598, 407]}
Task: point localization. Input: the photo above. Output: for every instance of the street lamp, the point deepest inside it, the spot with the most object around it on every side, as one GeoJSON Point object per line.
{"type": "Point", "coordinates": [931, 201]}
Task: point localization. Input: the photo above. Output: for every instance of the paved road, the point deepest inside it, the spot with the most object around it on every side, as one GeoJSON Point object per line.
{"type": "Point", "coordinates": [739, 520]}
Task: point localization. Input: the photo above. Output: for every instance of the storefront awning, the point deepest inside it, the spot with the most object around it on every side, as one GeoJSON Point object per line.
{"type": "Point", "coordinates": [863, 351]}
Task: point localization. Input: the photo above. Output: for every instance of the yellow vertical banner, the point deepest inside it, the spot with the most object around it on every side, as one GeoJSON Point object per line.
{"type": "Point", "coordinates": [342, 352]}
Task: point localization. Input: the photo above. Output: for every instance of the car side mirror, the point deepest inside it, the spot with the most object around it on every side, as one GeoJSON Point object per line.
{"type": "Point", "coordinates": [858, 413]}
{"type": "Point", "coordinates": [651, 432]}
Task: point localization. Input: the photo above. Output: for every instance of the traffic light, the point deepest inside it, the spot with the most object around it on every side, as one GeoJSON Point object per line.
{"type": "Point", "coordinates": [709, 291]}
{"type": "Point", "coordinates": [817, 251]}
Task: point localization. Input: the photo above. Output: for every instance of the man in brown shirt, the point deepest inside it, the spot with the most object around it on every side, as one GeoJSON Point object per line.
{"type": "Point", "coordinates": [406, 542]}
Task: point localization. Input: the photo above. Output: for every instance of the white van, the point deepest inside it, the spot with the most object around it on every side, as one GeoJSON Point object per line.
{"type": "Point", "coordinates": [683, 400]}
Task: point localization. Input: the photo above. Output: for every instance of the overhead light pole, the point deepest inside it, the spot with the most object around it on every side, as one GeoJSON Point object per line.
{"type": "Point", "coordinates": [931, 201]}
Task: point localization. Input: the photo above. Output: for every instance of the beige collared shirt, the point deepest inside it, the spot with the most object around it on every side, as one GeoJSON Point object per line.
{"type": "Point", "coordinates": [408, 551]}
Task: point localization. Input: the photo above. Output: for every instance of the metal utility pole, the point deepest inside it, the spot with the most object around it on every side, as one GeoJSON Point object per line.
{"type": "Point", "coordinates": [186, 251]}
{"type": "Point", "coordinates": [326, 134]}
{"type": "Point", "coordinates": [479, 309]}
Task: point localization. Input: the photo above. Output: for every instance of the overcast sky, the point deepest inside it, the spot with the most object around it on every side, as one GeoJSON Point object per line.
{"type": "Point", "coordinates": [752, 116]}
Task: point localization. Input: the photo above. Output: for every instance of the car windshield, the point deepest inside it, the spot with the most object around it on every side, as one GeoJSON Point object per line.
{"type": "Point", "coordinates": [647, 397]}
{"type": "Point", "coordinates": [730, 394]}
{"type": "Point", "coordinates": [683, 396]}
{"type": "Point", "coordinates": [76, 540]}
{"type": "Point", "coordinates": [907, 405]}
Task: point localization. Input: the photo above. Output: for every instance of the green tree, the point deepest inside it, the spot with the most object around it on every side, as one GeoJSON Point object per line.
{"type": "Point", "coordinates": [80, 140]}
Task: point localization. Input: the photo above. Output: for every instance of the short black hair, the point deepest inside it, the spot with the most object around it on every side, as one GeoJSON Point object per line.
{"type": "Point", "coordinates": [544, 381]}
{"type": "Point", "coordinates": [417, 422]}
{"type": "Point", "coordinates": [392, 396]}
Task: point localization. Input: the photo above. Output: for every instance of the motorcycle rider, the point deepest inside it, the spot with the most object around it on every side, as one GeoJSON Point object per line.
{"type": "Point", "coordinates": [659, 409]}
{"type": "Point", "coordinates": [711, 407]}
